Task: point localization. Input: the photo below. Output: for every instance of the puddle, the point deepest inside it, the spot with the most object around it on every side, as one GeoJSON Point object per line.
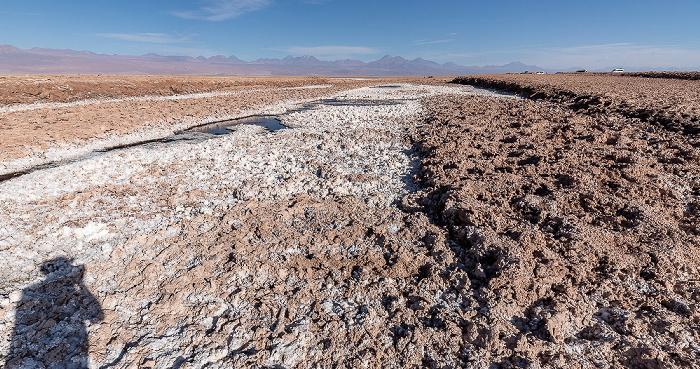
{"type": "Point", "coordinates": [179, 137]}
{"type": "Point", "coordinates": [225, 127]}
{"type": "Point", "coordinates": [191, 135]}
{"type": "Point", "coordinates": [270, 123]}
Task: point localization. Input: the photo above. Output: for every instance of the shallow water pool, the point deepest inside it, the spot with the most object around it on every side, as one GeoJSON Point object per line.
{"type": "Point", "coordinates": [225, 127]}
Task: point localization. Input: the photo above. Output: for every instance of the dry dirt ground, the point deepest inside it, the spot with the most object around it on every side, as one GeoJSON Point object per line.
{"type": "Point", "coordinates": [673, 102]}
{"type": "Point", "coordinates": [575, 238]}
{"type": "Point", "coordinates": [415, 224]}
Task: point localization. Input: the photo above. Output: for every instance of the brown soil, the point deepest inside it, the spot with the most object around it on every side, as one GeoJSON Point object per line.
{"type": "Point", "coordinates": [541, 238]}
{"type": "Point", "coordinates": [670, 102]}
{"type": "Point", "coordinates": [20, 89]}
{"type": "Point", "coordinates": [575, 240]}
{"type": "Point", "coordinates": [675, 75]}
{"type": "Point", "coordinates": [33, 89]}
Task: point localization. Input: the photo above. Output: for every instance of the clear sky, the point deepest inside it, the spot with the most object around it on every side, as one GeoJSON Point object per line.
{"type": "Point", "coordinates": [551, 34]}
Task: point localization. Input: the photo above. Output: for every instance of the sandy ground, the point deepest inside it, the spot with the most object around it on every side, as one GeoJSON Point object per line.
{"type": "Point", "coordinates": [421, 225]}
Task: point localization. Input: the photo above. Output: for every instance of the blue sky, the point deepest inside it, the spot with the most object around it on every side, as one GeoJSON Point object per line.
{"type": "Point", "coordinates": [551, 34]}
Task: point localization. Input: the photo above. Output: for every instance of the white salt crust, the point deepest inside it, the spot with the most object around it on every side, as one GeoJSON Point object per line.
{"type": "Point", "coordinates": [85, 209]}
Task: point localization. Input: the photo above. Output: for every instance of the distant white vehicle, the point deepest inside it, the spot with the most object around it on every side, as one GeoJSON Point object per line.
{"type": "Point", "coordinates": [618, 70]}
{"type": "Point", "coordinates": [540, 72]}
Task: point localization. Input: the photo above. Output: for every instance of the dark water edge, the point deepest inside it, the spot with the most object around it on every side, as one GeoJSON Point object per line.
{"type": "Point", "coordinates": [209, 130]}
{"type": "Point", "coordinates": [270, 123]}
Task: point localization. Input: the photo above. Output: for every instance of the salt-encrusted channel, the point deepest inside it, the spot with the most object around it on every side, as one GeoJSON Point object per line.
{"type": "Point", "coordinates": [156, 131]}
{"type": "Point", "coordinates": [87, 209]}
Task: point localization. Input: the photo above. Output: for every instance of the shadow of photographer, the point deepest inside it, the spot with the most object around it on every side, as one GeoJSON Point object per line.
{"type": "Point", "coordinates": [50, 328]}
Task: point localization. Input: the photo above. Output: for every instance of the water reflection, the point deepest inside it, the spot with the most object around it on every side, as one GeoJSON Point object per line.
{"type": "Point", "coordinates": [222, 128]}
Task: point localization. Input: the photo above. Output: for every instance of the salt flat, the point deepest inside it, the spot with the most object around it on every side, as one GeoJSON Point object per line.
{"type": "Point", "coordinates": [104, 210]}
{"type": "Point", "coordinates": [395, 223]}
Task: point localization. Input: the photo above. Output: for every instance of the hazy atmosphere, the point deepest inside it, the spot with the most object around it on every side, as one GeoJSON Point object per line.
{"type": "Point", "coordinates": [550, 34]}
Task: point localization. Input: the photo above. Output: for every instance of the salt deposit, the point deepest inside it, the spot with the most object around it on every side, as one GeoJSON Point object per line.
{"type": "Point", "coordinates": [86, 209]}
{"type": "Point", "coordinates": [328, 146]}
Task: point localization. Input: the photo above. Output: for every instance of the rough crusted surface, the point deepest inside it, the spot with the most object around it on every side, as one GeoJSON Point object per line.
{"type": "Point", "coordinates": [534, 237]}
{"type": "Point", "coordinates": [253, 249]}
{"type": "Point", "coordinates": [17, 89]}
{"type": "Point", "coordinates": [575, 239]}
{"type": "Point", "coordinates": [675, 75]}
{"type": "Point", "coordinates": [671, 103]}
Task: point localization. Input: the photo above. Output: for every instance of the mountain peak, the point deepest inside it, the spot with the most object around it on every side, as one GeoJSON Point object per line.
{"type": "Point", "coordinates": [304, 59]}
{"type": "Point", "coordinates": [390, 62]}
{"type": "Point", "coordinates": [388, 57]}
{"type": "Point", "coordinates": [221, 59]}
{"type": "Point", "coordinates": [426, 62]}
{"type": "Point", "coordinates": [235, 59]}
{"type": "Point", "coordinates": [8, 49]}
{"type": "Point", "coordinates": [218, 59]}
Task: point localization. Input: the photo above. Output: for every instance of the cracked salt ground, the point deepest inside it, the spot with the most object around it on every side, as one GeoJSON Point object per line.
{"type": "Point", "coordinates": [111, 211]}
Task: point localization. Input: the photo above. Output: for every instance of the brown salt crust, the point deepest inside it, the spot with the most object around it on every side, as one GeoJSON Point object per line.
{"type": "Point", "coordinates": [674, 75]}
{"type": "Point", "coordinates": [669, 102]}
{"type": "Point", "coordinates": [578, 237]}
{"type": "Point", "coordinates": [298, 283]}
{"type": "Point", "coordinates": [19, 89]}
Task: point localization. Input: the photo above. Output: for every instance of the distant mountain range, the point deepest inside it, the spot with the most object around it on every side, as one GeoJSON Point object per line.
{"type": "Point", "coordinates": [58, 61]}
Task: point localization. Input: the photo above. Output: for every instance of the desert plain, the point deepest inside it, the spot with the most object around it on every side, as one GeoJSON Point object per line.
{"type": "Point", "coordinates": [497, 221]}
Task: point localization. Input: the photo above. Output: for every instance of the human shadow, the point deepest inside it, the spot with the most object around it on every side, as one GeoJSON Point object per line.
{"type": "Point", "coordinates": [50, 322]}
